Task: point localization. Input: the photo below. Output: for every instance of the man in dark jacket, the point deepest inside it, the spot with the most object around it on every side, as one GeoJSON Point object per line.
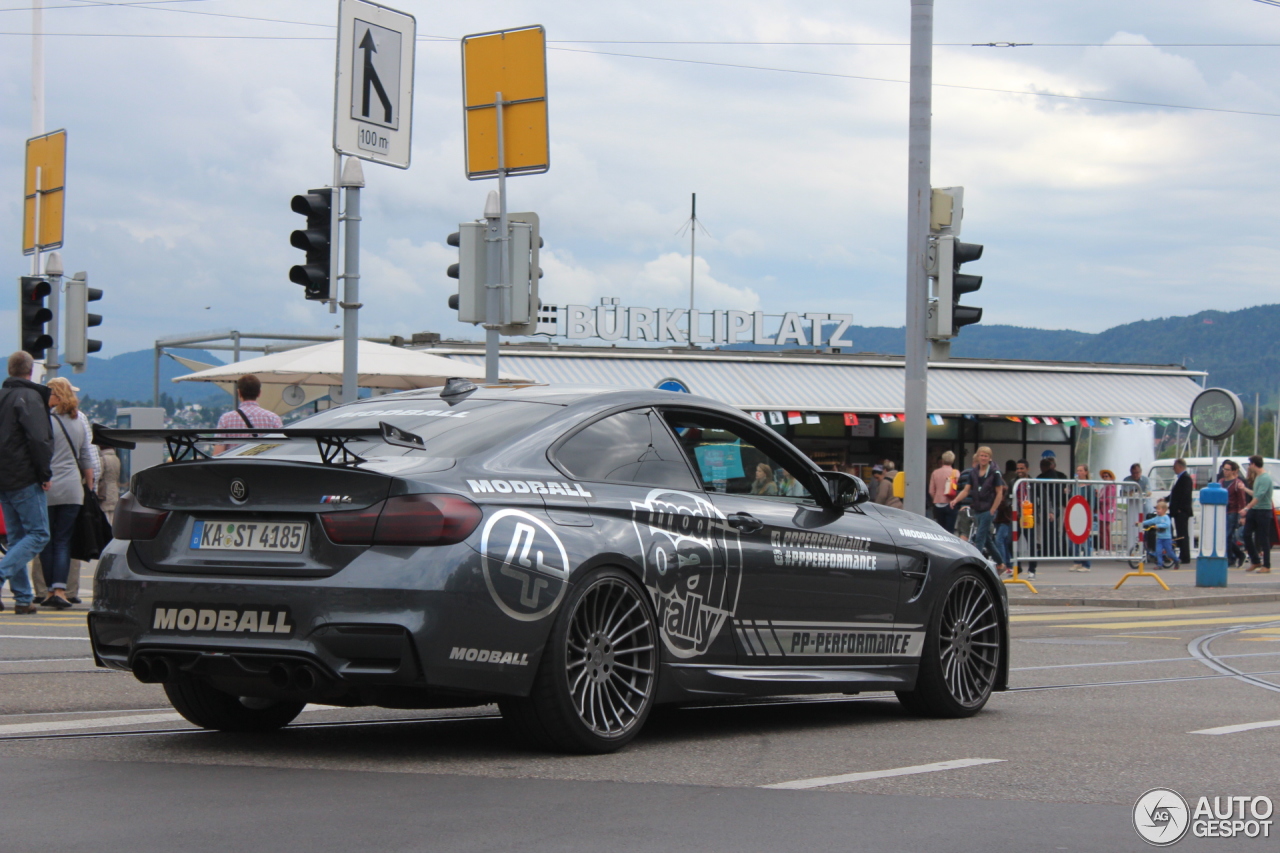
{"type": "Point", "coordinates": [1181, 510]}
{"type": "Point", "coordinates": [26, 451]}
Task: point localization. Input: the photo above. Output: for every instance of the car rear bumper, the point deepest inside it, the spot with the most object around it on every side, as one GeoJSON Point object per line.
{"type": "Point", "coordinates": [397, 626]}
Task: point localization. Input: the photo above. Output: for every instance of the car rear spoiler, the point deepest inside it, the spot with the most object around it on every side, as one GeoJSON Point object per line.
{"type": "Point", "coordinates": [332, 442]}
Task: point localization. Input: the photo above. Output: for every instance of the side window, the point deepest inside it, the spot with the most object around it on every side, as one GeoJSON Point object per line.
{"type": "Point", "coordinates": [728, 461]}
{"type": "Point", "coordinates": [629, 447]}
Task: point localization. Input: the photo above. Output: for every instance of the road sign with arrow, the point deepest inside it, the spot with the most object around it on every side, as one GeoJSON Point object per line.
{"type": "Point", "coordinates": [373, 104]}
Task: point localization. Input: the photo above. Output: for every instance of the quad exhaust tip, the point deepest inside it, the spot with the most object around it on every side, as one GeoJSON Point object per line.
{"type": "Point", "coordinates": [287, 677]}
{"type": "Point", "coordinates": [153, 669]}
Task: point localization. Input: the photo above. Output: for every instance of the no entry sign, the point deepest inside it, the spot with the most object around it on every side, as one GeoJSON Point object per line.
{"type": "Point", "coordinates": [1077, 520]}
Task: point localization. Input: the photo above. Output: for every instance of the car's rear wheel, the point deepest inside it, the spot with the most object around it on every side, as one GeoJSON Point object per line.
{"type": "Point", "coordinates": [961, 657]}
{"type": "Point", "coordinates": [598, 676]}
{"type": "Point", "coordinates": [210, 708]}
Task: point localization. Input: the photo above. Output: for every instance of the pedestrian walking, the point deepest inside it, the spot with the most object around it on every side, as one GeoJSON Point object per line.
{"type": "Point", "coordinates": [72, 473]}
{"type": "Point", "coordinates": [1237, 497]}
{"type": "Point", "coordinates": [881, 486]}
{"type": "Point", "coordinates": [1259, 519]}
{"type": "Point", "coordinates": [247, 413]}
{"type": "Point", "coordinates": [1148, 508]}
{"type": "Point", "coordinates": [1002, 540]}
{"type": "Point", "coordinates": [109, 482]}
{"type": "Point", "coordinates": [1181, 509]}
{"type": "Point", "coordinates": [1090, 495]}
{"type": "Point", "coordinates": [942, 488]}
{"type": "Point", "coordinates": [1107, 499]}
{"type": "Point", "coordinates": [987, 488]}
{"type": "Point", "coordinates": [1047, 511]}
{"type": "Point", "coordinates": [76, 568]}
{"type": "Point", "coordinates": [26, 450]}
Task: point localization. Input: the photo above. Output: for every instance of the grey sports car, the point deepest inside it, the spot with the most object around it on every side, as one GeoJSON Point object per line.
{"type": "Point", "coordinates": [576, 554]}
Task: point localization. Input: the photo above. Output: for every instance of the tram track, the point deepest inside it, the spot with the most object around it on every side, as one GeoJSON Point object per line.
{"type": "Point", "coordinates": [1199, 650]}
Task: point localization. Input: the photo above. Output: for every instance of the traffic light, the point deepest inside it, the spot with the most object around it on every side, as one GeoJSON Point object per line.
{"type": "Point", "coordinates": [32, 293]}
{"type": "Point", "coordinates": [519, 309]}
{"type": "Point", "coordinates": [315, 240]}
{"type": "Point", "coordinates": [77, 344]}
{"type": "Point", "coordinates": [946, 315]}
{"type": "Point", "coordinates": [471, 271]}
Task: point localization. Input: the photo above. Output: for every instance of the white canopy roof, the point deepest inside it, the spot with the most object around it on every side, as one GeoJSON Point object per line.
{"type": "Point", "coordinates": [380, 366]}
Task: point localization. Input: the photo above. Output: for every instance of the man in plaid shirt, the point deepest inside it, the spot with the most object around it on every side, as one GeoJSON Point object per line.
{"type": "Point", "coordinates": [248, 413]}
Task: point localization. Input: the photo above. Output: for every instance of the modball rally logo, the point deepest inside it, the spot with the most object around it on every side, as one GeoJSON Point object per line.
{"type": "Point", "coordinates": [1162, 817]}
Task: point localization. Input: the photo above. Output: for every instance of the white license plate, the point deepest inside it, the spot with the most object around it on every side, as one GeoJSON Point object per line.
{"type": "Point", "coordinates": [288, 537]}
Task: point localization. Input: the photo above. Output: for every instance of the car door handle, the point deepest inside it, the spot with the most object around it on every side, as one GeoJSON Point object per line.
{"type": "Point", "coordinates": [745, 522]}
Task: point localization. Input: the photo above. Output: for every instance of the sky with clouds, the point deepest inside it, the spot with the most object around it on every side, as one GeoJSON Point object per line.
{"type": "Point", "coordinates": [1095, 210]}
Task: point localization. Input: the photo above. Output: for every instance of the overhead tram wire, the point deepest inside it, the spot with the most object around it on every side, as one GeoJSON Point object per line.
{"type": "Point", "coordinates": [152, 7]}
{"type": "Point", "coordinates": [831, 74]}
{"type": "Point", "coordinates": [91, 4]}
{"type": "Point", "coordinates": [936, 84]}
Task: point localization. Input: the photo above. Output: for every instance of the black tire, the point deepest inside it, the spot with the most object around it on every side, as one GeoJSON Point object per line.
{"type": "Point", "coordinates": [962, 648]}
{"type": "Point", "coordinates": [1137, 554]}
{"type": "Point", "coordinates": [599, 673]}
{"type": "Point", "coordinates": [210, 708]}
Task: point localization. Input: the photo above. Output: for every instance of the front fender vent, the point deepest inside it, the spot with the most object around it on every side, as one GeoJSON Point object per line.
{"type": "Point", "coordinates": [916, 571]}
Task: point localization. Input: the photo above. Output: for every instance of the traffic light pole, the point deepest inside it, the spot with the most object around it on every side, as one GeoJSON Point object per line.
{"type": "Point", "coordinates": [497, 273]}
{"type": "Point", "coordinates": [352, 181]}
{"type": "Point", "coordinates": [53, 272]}
{"type": "Point", "coordinates": [914, 463]}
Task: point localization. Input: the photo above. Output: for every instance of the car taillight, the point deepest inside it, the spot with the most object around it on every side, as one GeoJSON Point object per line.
{"type": "Point", "coordinates": [405, 520]}
{"type": "Point", "coordinates": [132, 520]}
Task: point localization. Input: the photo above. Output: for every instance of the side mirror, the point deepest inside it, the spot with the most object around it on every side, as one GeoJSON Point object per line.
{"type": "Point", "coordinates": [845, 489]}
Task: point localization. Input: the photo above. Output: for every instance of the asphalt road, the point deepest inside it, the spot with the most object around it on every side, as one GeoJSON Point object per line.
{"type": "Point", "coordinates": [1106, 704]}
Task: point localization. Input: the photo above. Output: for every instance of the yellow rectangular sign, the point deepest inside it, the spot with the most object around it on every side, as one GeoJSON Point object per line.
{"type": "Point", "coordinates": [47, 163]}
{"type": "Point", "coordinates": [513, 63]}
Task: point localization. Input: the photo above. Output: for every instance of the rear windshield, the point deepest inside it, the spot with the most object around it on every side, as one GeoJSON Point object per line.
{"type": "Point", "coordinates": [450, 432]}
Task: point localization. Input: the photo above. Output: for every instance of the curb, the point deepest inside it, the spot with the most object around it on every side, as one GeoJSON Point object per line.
{"type": "Point", "coordinates": [1175, 600]}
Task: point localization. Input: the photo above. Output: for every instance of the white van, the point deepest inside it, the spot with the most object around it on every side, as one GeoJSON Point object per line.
{"type": "Point", "coordinates": [1202, 472]}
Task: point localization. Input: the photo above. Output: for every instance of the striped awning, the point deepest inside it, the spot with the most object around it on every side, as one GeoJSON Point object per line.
{"type": "Point", "coordinates": [757, 381]}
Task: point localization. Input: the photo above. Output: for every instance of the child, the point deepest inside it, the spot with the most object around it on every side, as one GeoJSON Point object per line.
{"type": "Point", "coordinates": [1163, 527]}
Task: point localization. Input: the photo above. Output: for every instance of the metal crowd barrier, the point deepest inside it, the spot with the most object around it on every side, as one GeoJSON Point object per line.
{"type": "Point", "coordinates": [1051, 522]}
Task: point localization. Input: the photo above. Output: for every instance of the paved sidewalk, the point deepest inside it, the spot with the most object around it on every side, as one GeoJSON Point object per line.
{"type": "Point", "coordinates": [1057, 585]}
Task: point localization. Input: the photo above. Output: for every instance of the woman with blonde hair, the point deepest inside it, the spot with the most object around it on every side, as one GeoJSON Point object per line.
{"type": "Point", "coordinates": [72, 469]}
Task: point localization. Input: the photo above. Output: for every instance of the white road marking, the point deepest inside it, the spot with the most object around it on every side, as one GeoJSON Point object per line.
{"type": "Point", "coordinates": [42, 660]}
{"type": "Point", "coordinates": [1131, 662]}
{"type": "Point", "coordinates": [95, 723]}
{"type": "Point", "coordinates": [107, 722]}
{"type": "Point", "coordinates": [77, 639]}
{"type": "Point", "coordinates": [1242, 727]}
{"type": "Point", "coordinates": [823, 781]}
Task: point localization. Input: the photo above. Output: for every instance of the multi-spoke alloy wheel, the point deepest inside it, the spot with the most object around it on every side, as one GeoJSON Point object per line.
{"type": "Point", "coordinates": [968, 638]}
{"type": "Point", "coordinates": [961, 657]}
{"type": "Point", "coordinates": [598, 675]}
{"type": "Point", "coordinates": [611, 657]}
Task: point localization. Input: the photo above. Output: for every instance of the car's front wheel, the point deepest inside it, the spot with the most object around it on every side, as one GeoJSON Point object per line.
{"type": "Point", "coordinates": [961, 657]}
{"type": "Point", "coordinates": [598, 676]}
{"type": "Point", "coordinates": [210, 708]}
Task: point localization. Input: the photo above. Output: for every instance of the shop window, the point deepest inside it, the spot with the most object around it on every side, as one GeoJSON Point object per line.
{"type": "Point", "coordinates": [989, 431]}
{"type": "Point", "coordinates": [950, 429]}
{"type": "Point", "coordinates": [1047, 433]}
{"type": "Point", "coordinates": [828, 426]}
